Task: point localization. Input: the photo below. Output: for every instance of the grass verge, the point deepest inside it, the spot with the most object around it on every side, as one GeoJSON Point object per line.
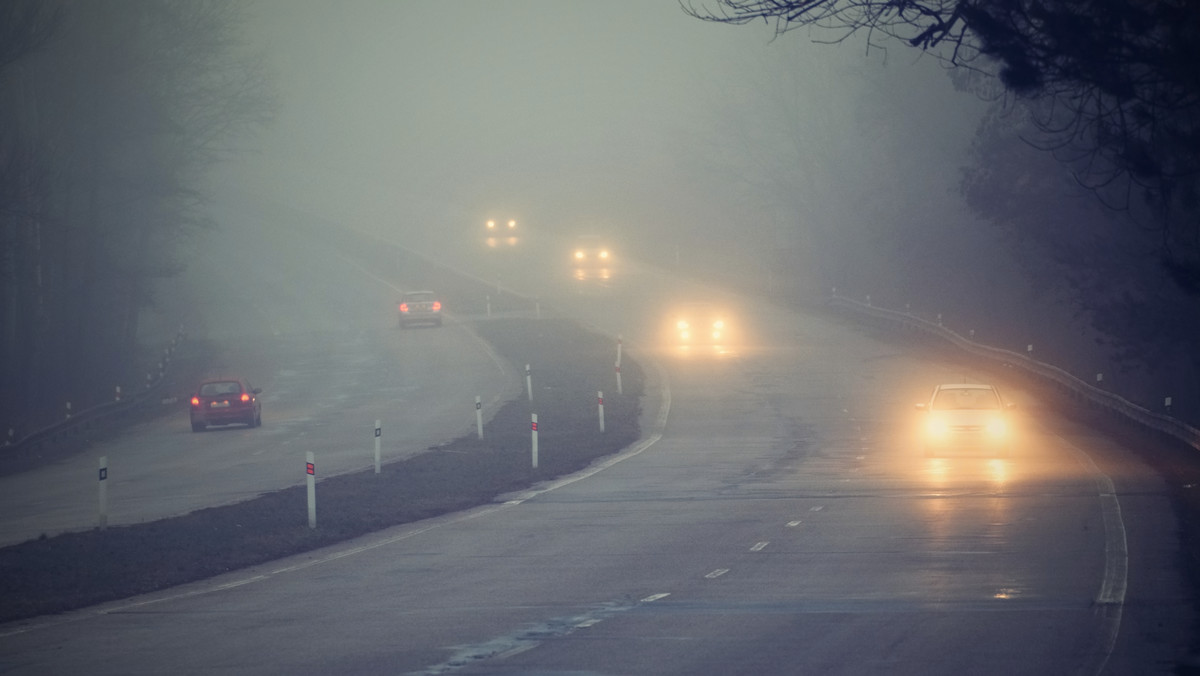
{"type": "Point", "coordinates": [74, 570]}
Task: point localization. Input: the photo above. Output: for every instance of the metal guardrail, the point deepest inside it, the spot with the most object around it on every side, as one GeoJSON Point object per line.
{"type": "Point", "coordinates": [1077, 388]}
{"type": "Point", "coordinates": [85, 417]}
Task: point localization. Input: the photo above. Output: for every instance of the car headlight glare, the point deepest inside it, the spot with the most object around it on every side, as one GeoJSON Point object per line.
{"type": "Point", "coordinates": [937, 427]}
{"type": "Point", "coordinates": [996, 427]}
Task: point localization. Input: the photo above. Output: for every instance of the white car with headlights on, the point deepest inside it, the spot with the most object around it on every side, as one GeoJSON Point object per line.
{"type": "Point", "coordinates": [966, 417]}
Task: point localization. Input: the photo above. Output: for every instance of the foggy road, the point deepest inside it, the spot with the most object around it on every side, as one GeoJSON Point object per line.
{"type": "Point", "coordinates": [781, 521]}
{"type": "Point", "coordinates": [320, 337]}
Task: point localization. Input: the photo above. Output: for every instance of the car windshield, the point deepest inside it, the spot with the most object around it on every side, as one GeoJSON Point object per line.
{"type": "Point", "coordinates": [217, 389]}
{"type": "Point", "coordinates": [959, 398]}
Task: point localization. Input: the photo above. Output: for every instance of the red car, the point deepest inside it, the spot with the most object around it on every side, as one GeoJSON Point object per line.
{"type": "Point", "coordinates": [225, 401]}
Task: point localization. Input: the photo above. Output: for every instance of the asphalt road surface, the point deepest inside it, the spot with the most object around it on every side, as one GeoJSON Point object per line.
{"type": "Point", "coordinates": [777, 518]}
{"type": "Point", "coordinates": [320, 336]}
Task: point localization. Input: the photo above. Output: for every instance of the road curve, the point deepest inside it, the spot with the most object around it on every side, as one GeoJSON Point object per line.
{"type": "Point", "coordinates": [779, 521]}
{"type": "Point", "coordinates": [319, 335]}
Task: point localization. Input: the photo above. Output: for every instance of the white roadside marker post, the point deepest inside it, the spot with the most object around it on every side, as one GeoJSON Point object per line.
{"type": "Point", "coordinates": [378, 440]}
{"type": "Point", "coordinates": [529, 382]}
{"type": "Point", "coordinates": [478, 416]}
{"type": "Point", "coordinates": [619, 341]}
{"type": "Point", "coordinates": [310, 469]}
{"type": "Point", "coordinates": [533, 433]}
{"type": "Point", "coordinates": [102, 520]}
{"type": "Point", "coordinates": [600, 405]}
{"type": "Point", "coordinates": [619, 391]}
{"type": "Point", "coordinates": [118, 398]}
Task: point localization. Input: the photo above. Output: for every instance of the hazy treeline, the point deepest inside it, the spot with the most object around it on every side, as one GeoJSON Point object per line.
{"type": "Point", "coordinates": [110, 113]}
{"type": "Point", "coordinates": [1086, 163]}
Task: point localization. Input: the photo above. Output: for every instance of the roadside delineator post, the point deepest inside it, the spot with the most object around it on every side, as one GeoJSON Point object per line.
{"type": "Point", "coordinates": [478, 416]}
{"type": "Point", "coordinates": [529, 382]}
{"type": "Point", "coordinates": [310, 473]}
{"type": "Point", "coordinates": [600, 405]}
{"type": "Point", "coordinates": [378, 441]}
{"type": "Point", "coordinates": [118, 395]}
{"type": "Point", "coordinates": [102, 519]}
{"type": "Point", "coordinates": [533, 438]}
{"type": "Point", "coordinates": [618, 367]}
{"type": "Point", "coordinates": [68, 410]}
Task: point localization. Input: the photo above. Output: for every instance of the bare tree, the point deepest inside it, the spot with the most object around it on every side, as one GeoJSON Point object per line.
{"type": "Point", "coordinates": [1113, 83]}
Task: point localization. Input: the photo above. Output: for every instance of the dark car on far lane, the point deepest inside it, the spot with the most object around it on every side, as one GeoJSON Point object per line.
{"type": "Point", "coordinates": [417, 307]}
{"type": "Point", "coordinates": [225, 401]}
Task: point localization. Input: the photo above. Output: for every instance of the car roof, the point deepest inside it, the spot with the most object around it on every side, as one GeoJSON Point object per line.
{"type": "Point", "coordinates": [420, 293]}
{"type": "Point", "coordinates": [965, 386]}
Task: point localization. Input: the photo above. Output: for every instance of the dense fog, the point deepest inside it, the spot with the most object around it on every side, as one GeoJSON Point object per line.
{"type": "Point", "coordinates": [783, 164]}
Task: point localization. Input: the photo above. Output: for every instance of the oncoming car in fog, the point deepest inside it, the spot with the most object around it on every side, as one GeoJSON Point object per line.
{"type": "Point", "coordinates": [225, 401]}
{"type": "Point", "coordinates": [500, 232]}
{"type": "Point", "coordinates": [591, 252]}
{"type": "Point", "coordinates": [419, 307]}
{"type": "Point", "coordinates": [966, 417]}
{"type": "Point", "coordinates": [699, 324]}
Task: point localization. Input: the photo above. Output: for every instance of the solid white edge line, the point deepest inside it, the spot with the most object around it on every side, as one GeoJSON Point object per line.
{"type": "Point", "coordinates": [1111, 597]}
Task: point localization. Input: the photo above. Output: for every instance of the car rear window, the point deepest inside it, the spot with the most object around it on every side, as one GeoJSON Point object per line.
{"type": "Point", "coordinates": [217, 389]}
{"type": "Point", "coordinates": [966, 398]}
{"type": "Point", "coordinates": [419, 297]}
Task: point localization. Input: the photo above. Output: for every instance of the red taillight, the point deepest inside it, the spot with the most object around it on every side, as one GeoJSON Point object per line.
{"type": "Point", "coordinates": [195, 401]}
{"type": "Point", "coordinates": [437, 306]}
{"type": "Point", "coordinates": [404, 307]}
{"type": "Point", "coordinates": [245, 397]}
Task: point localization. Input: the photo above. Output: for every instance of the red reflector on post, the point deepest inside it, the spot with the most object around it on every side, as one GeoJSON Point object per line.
{"type": "Point", "coordinates": [311, 468]}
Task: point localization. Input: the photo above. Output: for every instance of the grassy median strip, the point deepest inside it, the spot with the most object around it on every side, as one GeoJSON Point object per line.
{"type": "Point", "coordinates": [74, 570]}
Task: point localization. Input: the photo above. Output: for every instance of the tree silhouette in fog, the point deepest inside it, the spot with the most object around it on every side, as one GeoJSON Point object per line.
{"type": "Point", "coordinates": [1113, 83]}
{"type": "Point", "coordinates": [110, 113]}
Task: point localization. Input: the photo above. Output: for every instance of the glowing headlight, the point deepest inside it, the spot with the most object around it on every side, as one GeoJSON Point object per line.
{"type": "Point", "coordinates": [996, 427]}
{"type": "Point", "coordinates": [512, 224]}
{"type": "Point", "coordinates": [579, 255]}
{"type": "Point", "coordinates": [681, 324]}
{"type": "Point", "coordinates": [937, 427]}
{"type": "Point", "coordinates": [491, 225]}
{"type": "Point", "coordinates": [604, 254]}
{"type": "Point", "coordinates": [719, 324]}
